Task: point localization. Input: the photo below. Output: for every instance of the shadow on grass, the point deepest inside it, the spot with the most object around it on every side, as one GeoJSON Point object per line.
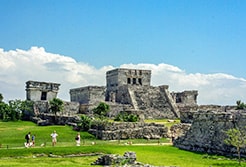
{"type": "Point", "coordinates": [229, 164]}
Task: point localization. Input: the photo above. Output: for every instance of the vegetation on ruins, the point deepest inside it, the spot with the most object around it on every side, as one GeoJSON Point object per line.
{"type": "Point", "coordinates": [84, 124]}
{"type": "Point", "coordinates": [124, 117]}
{"type": "Point", "coordinates": [240, 105]}
{"type": "Point", "coordinates": [236, 138]}
{"type": "Point", "coordinates": [56, 105]}
{"type": "Point", "coordinates": [101, 110]}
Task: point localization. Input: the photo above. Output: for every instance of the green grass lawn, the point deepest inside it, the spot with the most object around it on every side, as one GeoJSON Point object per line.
{"type": "Point", "coordinates": [165, 122]}
{"type": "Point", "coordinates": [13, 153]}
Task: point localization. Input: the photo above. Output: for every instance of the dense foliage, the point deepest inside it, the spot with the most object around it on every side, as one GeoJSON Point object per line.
{"type": "Point", "coordinates": [124, 117]}
{"type": "Point", "coordinates": [236, 138]}
{"type": "Point", "coordinates": [101, 110]}
{"type": "Point", "coordinates": [85, 123]}
{"type": "Point", "coordinates": [15, 109]}
{"type": "Point", "coordinates": [240, 105]}
{"type": "Point", "coordinates": [56, 105]}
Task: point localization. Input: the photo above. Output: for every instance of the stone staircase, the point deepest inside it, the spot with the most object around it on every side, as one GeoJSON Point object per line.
{"type": "Point", "coordinates": [132, 96]}
{"type": "Point", "coordinates": [155, 101]}
{"type": "Point", "coordinates": [171, 101]}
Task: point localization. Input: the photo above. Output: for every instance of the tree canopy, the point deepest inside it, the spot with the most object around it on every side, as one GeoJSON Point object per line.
{"type": "Point", "coordinates": [102, 109]}
{"type": "Point", "coordinates": [56, 105]}
{"type": "Point", "coordinates": [236, 138]}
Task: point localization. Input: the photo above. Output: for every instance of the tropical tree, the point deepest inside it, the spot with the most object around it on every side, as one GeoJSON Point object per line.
{"type": "Point", "coordinates": [240, 105]}
{"type": "Point", "coordinates": [101, 110]}
{"type": "Point", "coordinates": [14, 109]}
{"type": "Point", "coordinates": [15, 112]}
{"type": "Point", "coordinates": [4, 108]}
{"type": "Point", "coordinates": [56, 105]}
{"type": "Point", "coordinates": [236, 138]}
{"type": "Point", "coordinates": [1, 97]}
{"type": "Point", "coordinates": [85, 123]}
{"type": "Point", "coordinates": [27, 109]}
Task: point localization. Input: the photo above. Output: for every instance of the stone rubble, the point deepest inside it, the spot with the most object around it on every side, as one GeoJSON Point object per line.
{"type": "Point", "coordinates": [127, 160]}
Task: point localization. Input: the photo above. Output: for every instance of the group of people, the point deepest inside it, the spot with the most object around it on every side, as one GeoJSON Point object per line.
{"type": "Point", "coordinates": [30, 140]}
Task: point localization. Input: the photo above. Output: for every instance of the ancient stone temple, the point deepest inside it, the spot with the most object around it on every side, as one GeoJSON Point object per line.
{"type": "Point", "coordinates": [130, 90]}
{"type": "Point", "coordinates": [121, 77]}
{"type": "Point", "coordinates": [44, 91]}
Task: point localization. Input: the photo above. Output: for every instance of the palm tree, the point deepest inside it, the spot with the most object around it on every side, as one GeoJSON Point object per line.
{"type": "Point", "coordinates": [56, 105]}
{"type": "Point", "coordinates": [1, 97]}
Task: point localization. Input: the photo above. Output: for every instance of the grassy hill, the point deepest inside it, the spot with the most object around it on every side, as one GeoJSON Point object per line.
{"type": "Point", "coordinates": [13, 153]}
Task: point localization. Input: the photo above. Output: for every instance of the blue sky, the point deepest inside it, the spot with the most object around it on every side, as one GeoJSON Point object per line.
{"type": "Point", "coordinates": [197, 36]}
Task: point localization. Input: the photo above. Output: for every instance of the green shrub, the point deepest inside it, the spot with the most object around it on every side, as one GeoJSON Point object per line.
{"type": "Point", "coordinates": [124, 117]}
{"type": "Point", "coordinates": [240, 105]}
{"type": "Point", "coordinates": [85, 123]}
{"type": "Point", "coordinates": [15, 109]}
{"type": "Point", "coordinates": [101, 110]}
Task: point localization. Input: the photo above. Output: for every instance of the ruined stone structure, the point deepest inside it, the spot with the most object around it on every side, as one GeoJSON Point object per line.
{"type": "Point", "coordinates": [130, 89]}
{"type": "Point", "coordinates": [88, 95]}
{"type": "Point", "coordinates": [186, 97]}
{"type": "Point", "coordinates": [41, 93]}
{"type": "Point", "coordinates": [121, 77]}
{"type": "Point", "coordinates": [206, 133]}
{"type": "Point", "coordinates": [36, 91]}
{"type": "Point", "coordinates": [128, 158]}
{"type": "Point", "coordinates": [129, 130]}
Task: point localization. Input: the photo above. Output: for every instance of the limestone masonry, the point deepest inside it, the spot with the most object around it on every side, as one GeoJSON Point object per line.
{"type": "Point", "coordinates": [130, 90]}
{"type": "Point", "coordinates": [126, 90]}
{"type": "Point", "coordinates": [36, 91]}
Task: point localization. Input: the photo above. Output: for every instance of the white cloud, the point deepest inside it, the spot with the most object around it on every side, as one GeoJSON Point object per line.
{"type": "Point", "coordinates": [18, 66]}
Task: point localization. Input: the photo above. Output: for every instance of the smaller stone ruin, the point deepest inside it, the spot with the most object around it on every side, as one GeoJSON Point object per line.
{"type": "Point", "coordinates": [129, 130]}
{"type": "Point", "coordinates": [36, 91]}
{"type": "Point", "coordinates": [113, 159]}
{"type": "Point", "coordinates": [127, 160]}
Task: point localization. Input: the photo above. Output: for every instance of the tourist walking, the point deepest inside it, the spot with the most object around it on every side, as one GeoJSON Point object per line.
{"type": "Point", "coordinates": [77, 139]}
{"type": "Point", "coordinates": [54, 136]}
{"type": "Point", "coordinates": [27, 137]}
{"type": "Point", "coordinates": [33, 140]}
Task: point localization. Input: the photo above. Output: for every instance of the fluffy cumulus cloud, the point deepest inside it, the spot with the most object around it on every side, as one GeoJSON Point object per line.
{"type": "Point", "coordinates": [18, 66]}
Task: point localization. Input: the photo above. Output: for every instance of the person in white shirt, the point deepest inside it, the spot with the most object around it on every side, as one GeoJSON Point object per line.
{"type": "Point", "coordinates": [54, 136]}
{"type": "Point", "coordinates": [77, 139]}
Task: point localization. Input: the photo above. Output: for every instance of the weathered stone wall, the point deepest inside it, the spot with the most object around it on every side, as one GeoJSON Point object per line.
{"type": "Point", "coordinates": [36, 91]}
{"type": "Point", "coordinates": [88, 95]}
{"type": "Point", "coordinates": [70, 108]}
{"type": "Point", "coordinates": [179, 130]}
{"type": "Point", "coordinates": [207, 132]}
{"type": "Point", "coordinates": [115, 108]}
{"type": "Point", "coordinates": [187, 112]}
{"type": "Point", "coordinates": [45, 119]}
{"type": "Point", "coordinates": [129, 130]}
{"type": "Point", "coordinates": [186, 97]}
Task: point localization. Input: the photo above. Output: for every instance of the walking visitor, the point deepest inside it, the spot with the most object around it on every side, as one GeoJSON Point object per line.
{"type": "Point", "coordinates": [54, 136]}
